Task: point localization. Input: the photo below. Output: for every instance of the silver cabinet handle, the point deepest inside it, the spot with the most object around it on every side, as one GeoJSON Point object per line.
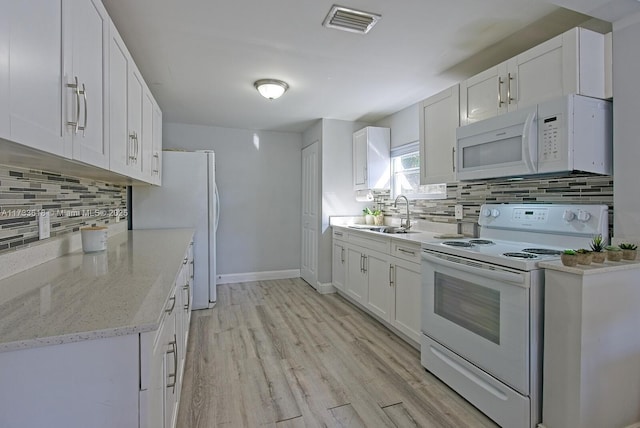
{"type": "Point", "coordinates": [76, 88]}
{"type": "Point", "coordinates": [84, 95]}
{"type": "Point", "coordinates": [173, 304]}
{"type": "Point", "coordinates": [391, 281]}
{"type": "Point", "coordinates": [191, 269]}
{"type": "Point", "coordinates": [509, 79]}
{"type": "Point", "coordinates": [500, 82]}
{"type": "Point", "coordinates": [132, 137]}
{"type": "Point", "coordinates": [188, 290]}
{"type": "Point", "coordinates": [453, 159]}
{"type": "Point", "coordinates": [156, 170]}
{"type": "Point", "coordinates": [174, 375]}
{"type": "Point", "coordinates": [364, 263]}
{"type": "Point", "coordinates": [342, 255]}
{"type": "Point", "coordinates": [185, 261]}
{"type": "Point", "coordinates": [137, 146]}
{"type": "Point", "coordinates": [413, 253]}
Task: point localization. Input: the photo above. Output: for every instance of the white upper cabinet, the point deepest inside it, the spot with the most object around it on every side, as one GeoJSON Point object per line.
{"type": "Point", "coordinates": [86, 31]}
{"type": "Point", "coordinates": [156, 160]}
{"type": "Point", "coordinates": [132, 109]}
{"type": "Point", "coordinates": [119, 144]}
{"type": "Point", "coordinates": [35, 69]}
{"type": "Point", "coordinates": [438, 123]}
{"type": "Point", "coordinates": [371, 158]}
{"type": "Point", "coordinates": [5, 35]}
{"type": "Point", "coordinates": [571, 63]}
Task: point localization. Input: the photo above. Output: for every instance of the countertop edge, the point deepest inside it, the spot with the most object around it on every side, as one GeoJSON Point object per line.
{"type": "Point", "coordinates": [593, 268]}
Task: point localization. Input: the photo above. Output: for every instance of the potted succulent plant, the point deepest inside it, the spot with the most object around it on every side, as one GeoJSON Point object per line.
{"type": "Point", "coordinates": [614, 253]}
{"type": "Point", "coordinates": [368, 216]}
{"type": "Point", "coordinates": [629, 251]}
{"type": "Point", "coordinates": [584, 256]}
{"type": "Point", "coordinates": [569, 258]}
{"type": "Point", "coordinates": [597, 246]}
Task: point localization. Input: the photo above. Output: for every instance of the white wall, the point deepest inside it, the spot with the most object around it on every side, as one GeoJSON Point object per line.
{"type": "Point", "coordinates": [404, 125]}
{"type": "Point", "coordinates": [258, 177]}
{"type": "Point", "coordinates": [626, 128]}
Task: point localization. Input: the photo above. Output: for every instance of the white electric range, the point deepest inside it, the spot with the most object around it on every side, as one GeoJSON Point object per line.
{"type": "Point", "coordinates": [482, 302]}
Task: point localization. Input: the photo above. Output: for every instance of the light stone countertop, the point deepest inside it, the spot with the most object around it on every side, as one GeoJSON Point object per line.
{"type": "Point", "coordinates": [593, 268]}
{"type": "Point", "coordinates": [79, 296]}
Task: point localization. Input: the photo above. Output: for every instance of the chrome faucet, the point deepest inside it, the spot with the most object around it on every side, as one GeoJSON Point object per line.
{"type": "Point", "coordinates": [407, 225]}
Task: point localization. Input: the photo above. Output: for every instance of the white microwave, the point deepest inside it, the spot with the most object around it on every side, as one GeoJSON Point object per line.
{"type": "Point", "coordinates": [571, 133]}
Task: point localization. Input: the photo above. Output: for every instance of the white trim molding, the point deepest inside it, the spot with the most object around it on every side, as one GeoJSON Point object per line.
{"type": "Point", "coordinates": [325, 288]}
{"type": "Point", "coordinates": [234, 278]}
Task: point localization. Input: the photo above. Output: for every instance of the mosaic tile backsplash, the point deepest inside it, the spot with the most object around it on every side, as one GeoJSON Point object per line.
{"type": "Point", "coordinates": [71, 202]}
{"type": "Point", "coordinates": [573, 189]}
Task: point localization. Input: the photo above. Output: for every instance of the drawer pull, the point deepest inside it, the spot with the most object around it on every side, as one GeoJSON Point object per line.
{"type": "Point", "coordinates": [173, 304]}
{"type": "Point", "coordinates": [413, 253]}
{"type": "Point", "coordinates": [174, 375]}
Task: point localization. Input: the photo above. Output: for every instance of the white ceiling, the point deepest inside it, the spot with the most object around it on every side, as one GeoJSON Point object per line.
{"type": "Point", "coordinates": [201, 57]}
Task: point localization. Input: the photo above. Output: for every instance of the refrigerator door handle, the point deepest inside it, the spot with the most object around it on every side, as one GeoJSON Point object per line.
{"type": "Point", "coordinates": [217, 208]}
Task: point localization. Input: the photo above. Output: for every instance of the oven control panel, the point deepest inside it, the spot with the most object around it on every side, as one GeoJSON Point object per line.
{"type": "Point", "coordinates": [539, 215]}
{"type": "Point", "coordinates": [573, 220]}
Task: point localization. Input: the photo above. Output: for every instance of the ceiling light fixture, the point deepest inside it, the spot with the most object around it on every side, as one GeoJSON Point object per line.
{"type": "Point", "coordinates": [271, 88]}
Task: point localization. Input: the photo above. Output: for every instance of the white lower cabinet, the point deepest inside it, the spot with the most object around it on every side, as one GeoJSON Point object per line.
{"type": "Point", "coordinates": [380, 287]}
{"type": "Point", "coordinates": [382, 275]}
{"type": "Point", "coordinates": [339, 263]}
{"type": "Point", "coordinates": [356, 282]}
{"type": "Point", "coordinates": [408, 288]}
{"type": "Point", "coordinates": [131, 380]}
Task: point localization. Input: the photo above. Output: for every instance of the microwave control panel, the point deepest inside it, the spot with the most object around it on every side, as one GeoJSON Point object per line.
{"type": "Point", "coordinates": [550, 138]}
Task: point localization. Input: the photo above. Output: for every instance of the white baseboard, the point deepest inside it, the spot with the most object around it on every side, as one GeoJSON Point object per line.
{"type": "Point", "coordinates": [326, 288]}
{"type": "Point", "coordinates": [234, 278]}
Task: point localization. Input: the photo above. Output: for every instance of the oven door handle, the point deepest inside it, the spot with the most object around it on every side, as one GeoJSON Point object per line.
{"type": "Point", "coordinates": [511, 277]}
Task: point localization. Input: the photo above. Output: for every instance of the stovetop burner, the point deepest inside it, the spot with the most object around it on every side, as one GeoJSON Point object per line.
{"type": "Point", "coordinates": [482, 242]}
{"type": "Point", "coordinates": [543, 251]}
{"type": "Point", "coordinates": [521, 255]}
{"type": "Point", "coordinates": [458, 244]}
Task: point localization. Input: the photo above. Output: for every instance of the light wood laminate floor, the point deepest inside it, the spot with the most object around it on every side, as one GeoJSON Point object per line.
{"type": "Point", "coordinates": [278, 354]}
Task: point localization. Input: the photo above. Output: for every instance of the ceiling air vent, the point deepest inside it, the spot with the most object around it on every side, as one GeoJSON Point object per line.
{"type": "Point", "coordinates": [354, 21]}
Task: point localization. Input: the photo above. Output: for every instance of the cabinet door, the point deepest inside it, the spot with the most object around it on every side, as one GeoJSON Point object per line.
{"type": "Point", "coordinates": [146, 141]}
{"type": "Point", "coordinates": [119, 143]}
{"type": "Point", "coordinates": [171, 364]}
{"type": "Point", "coordinates": [360, 160]}
{"type": "Point", "coordinates": [380, 291]}
{"type": "Point", "coordinates": [135, 88]}
{"type": "Point", "coordinates": [538, 75]}
{"type": "Point", "coordinates": [356, 284]}
{"type": "Point", "coordinates": [483, 95]}
{"type": "Point", "coordinates": [86, 33]}
{"type": "Point", "coordinates": [408, 295]}
{"type": "Point", "coordinates": [156, 161]}
{"type": "Point", "coordinates": [338, 266]}
{"type": "Point", "coordinates": [35, 75]}
{"type": "Point", "coordinates": [438, 123]}
{"type": "Point", "coordinates": [5, 37]}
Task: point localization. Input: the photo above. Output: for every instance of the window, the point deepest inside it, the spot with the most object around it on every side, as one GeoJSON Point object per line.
{"type": "Point", "coordinates": [405, 175]}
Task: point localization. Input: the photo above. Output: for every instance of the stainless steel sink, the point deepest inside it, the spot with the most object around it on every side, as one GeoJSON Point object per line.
{"type": "Point", "coordinates": [383, 229]}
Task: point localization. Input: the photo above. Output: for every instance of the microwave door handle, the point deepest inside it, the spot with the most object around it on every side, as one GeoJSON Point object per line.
{"type": "Point", "coordinates": [530, 142]}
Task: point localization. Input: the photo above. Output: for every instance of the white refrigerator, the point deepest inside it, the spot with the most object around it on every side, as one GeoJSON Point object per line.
{"type": "Point", "coordinates": [188, 197]}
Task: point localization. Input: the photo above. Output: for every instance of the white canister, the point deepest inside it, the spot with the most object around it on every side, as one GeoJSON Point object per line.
{"type": "Point", "coordinates": [94, 238]}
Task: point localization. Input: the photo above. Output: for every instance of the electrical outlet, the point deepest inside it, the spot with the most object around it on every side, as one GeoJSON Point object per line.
{"type": "Point", "coordinates": [44, 225]}
{"type": "Point", "coordinates": [458, 212]}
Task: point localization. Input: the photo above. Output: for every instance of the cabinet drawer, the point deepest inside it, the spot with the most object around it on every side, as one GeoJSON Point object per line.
{"type": "Point", "coordinates": [340, 234]}
{"type": "Point", "coordinates": [370, 242]}
{"type": "Point", "coordinates": [406, 251]}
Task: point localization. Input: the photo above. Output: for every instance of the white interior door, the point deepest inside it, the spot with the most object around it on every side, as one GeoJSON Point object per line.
{"type": "Point", "coordinates": [310, 202]}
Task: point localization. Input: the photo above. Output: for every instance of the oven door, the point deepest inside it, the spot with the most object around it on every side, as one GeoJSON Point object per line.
{"type": "Point", "coordinates": [479, 311]}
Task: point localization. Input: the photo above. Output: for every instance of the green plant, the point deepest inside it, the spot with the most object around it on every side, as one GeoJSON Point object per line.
{"type": "Point", "coordinates": [628, 246]}
{"type": "Point", "coordinates": [569, 252]}
{"type": "Point", "coordinates": [369, 211]}
{"type": "Point", "coordinates": [597, 244]}
{"type": "Point", "coordinates": [612, 248]}
{"type": "Point", "coordinates": [583, 251]}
